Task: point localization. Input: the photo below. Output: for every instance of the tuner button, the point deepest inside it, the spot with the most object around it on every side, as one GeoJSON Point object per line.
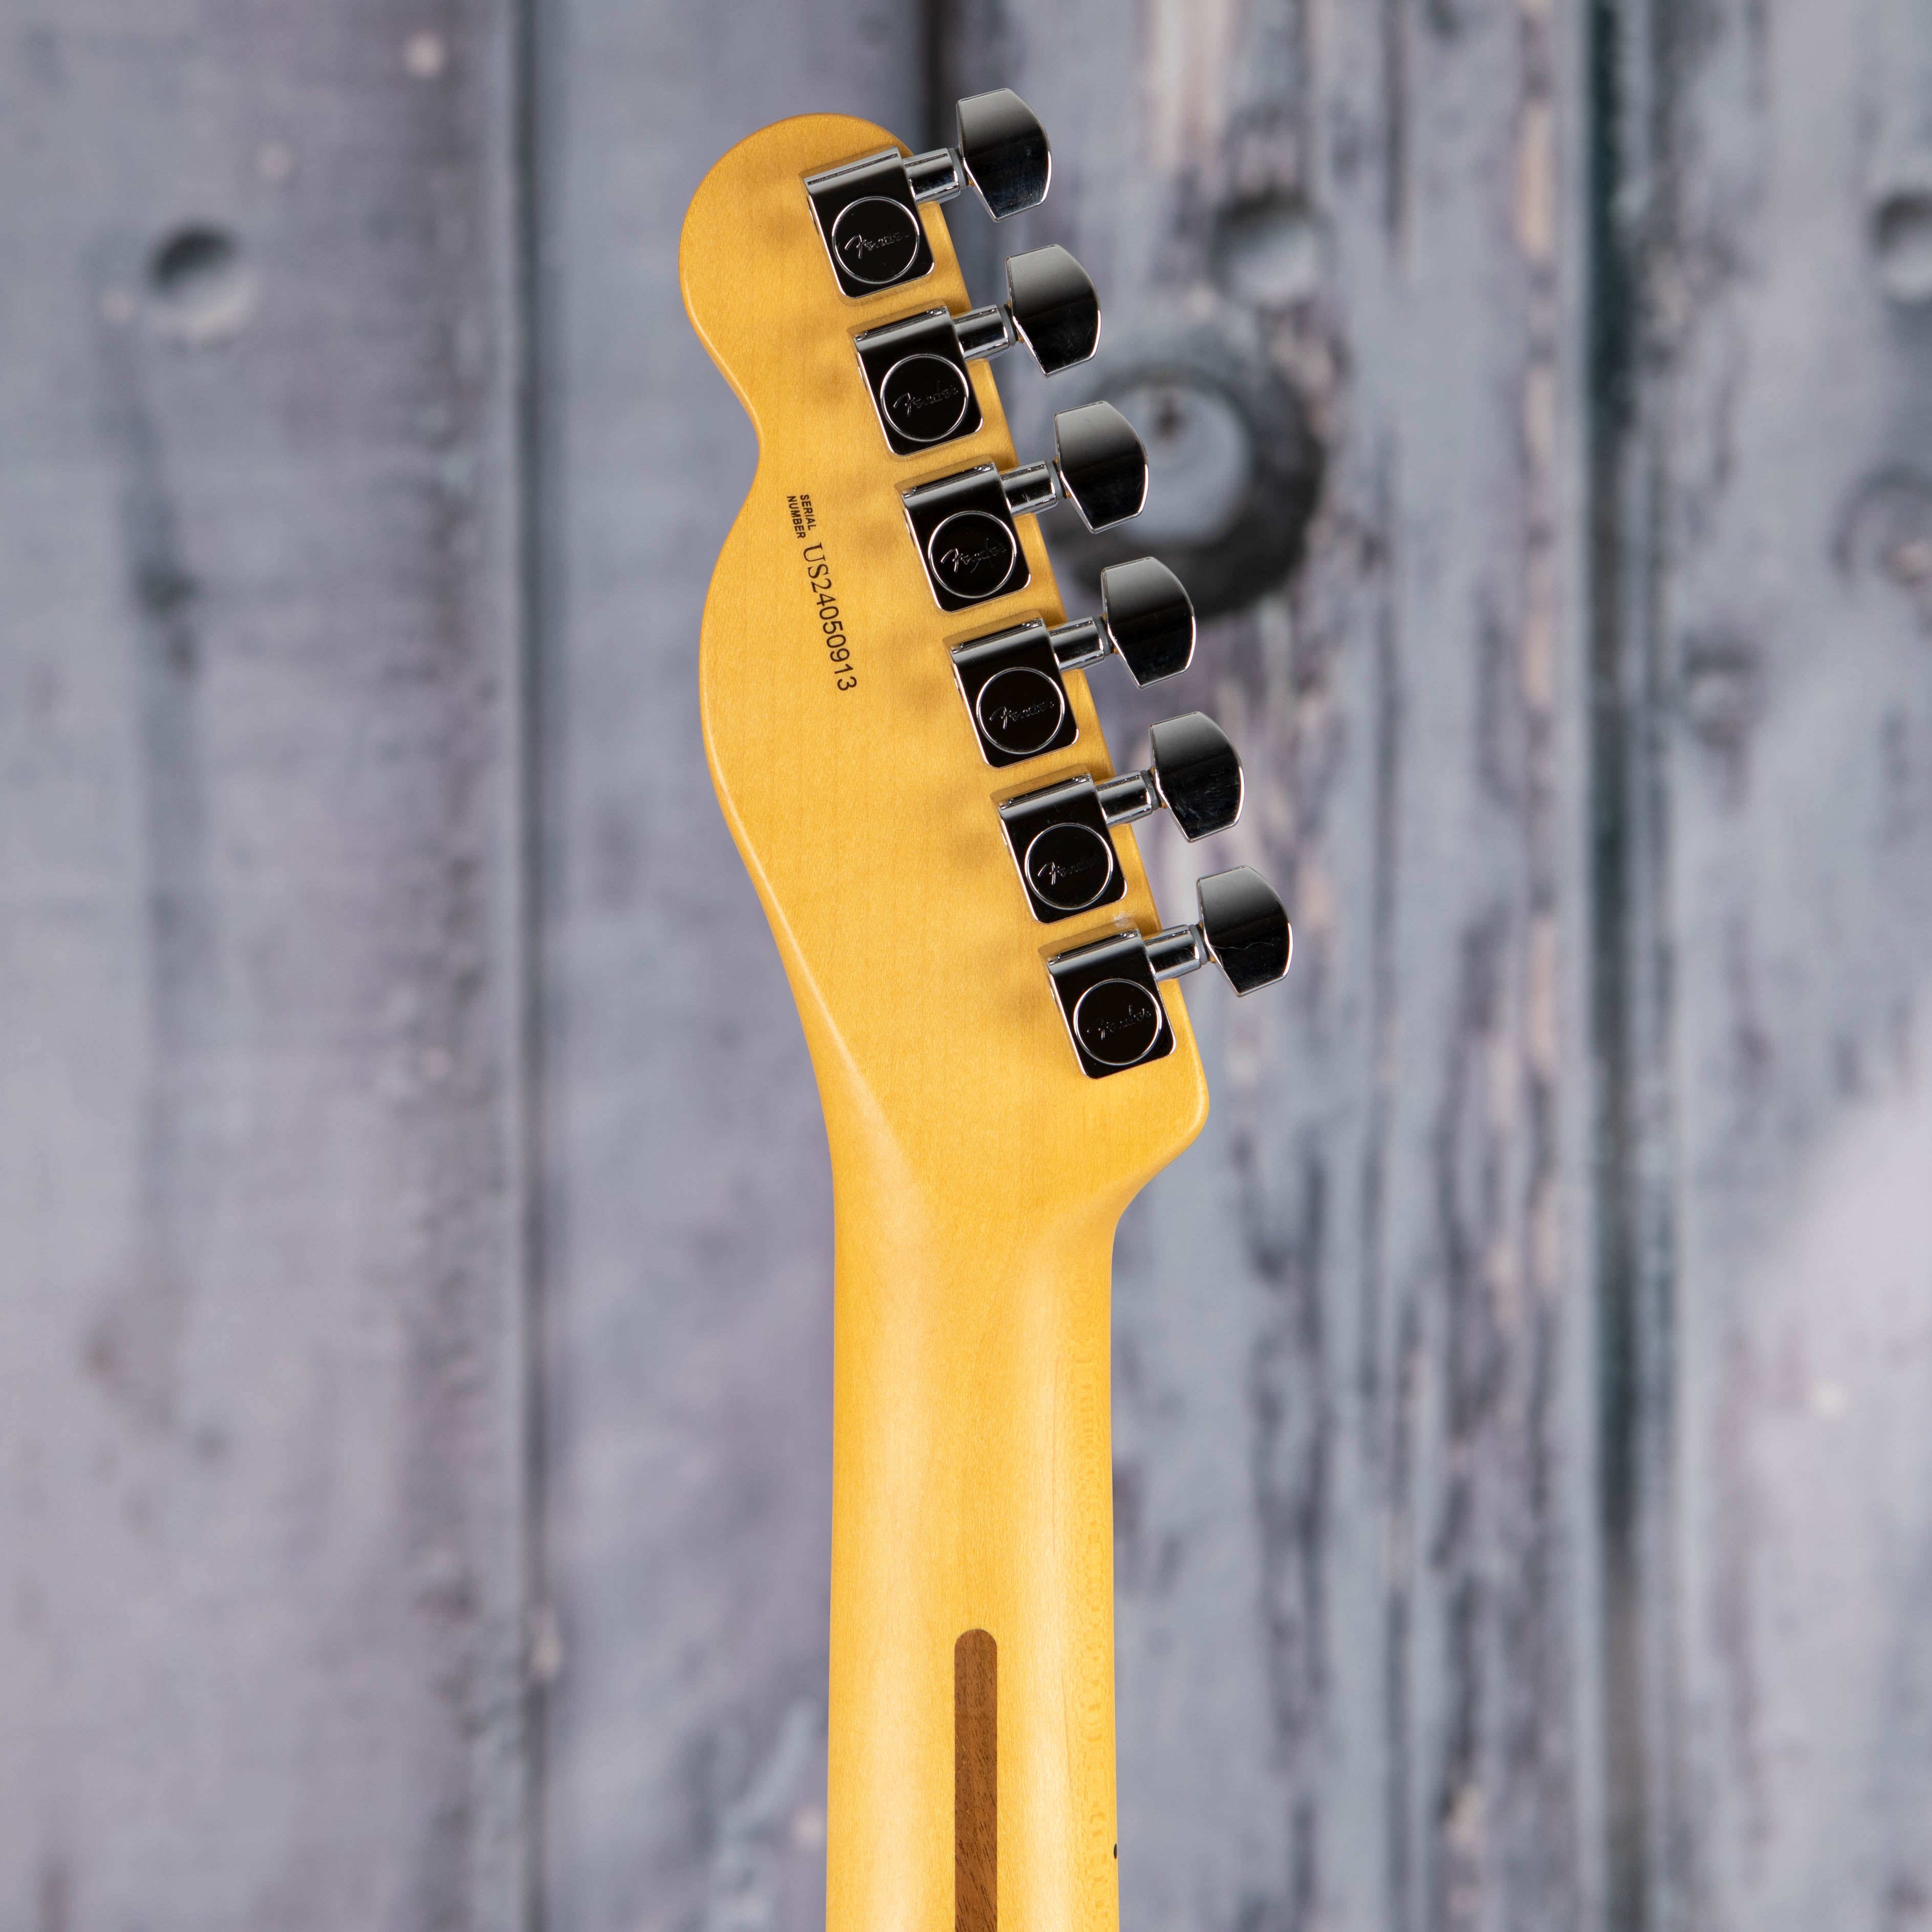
{"type": "Point", "coordinates": [1149, 618]}
{"type": "Point", "coordinates": [1101, 462]}
{"type": "Point", "coordinates": [1198, 774]}
{"type": "Point", "coordinates": [1054, 308]}
{"type": "Point", "coordinates": [1245, 927]}
{"type": "Point", "coordinates": [1004, 148]}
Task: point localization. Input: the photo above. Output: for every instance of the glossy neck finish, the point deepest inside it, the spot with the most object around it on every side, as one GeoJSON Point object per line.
{"type": "Point", "coordinates": [973, 1494]}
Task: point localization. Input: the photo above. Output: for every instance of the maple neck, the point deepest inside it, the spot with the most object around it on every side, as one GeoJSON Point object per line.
{"type": "Point", "coordinates": [971, 1711]}
{"type": "Point", "coordinates": [982, 1150]}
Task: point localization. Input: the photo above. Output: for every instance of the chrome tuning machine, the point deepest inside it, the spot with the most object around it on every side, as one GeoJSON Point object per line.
{"type": "Point", "coordinates": [867, 210]}
{"type": "Point", "coordinates": [1059, 836]}
{"type": "Point", "coordinates": [1107, 991]}
{"type": "Point", "coordinates": [1011, 680]}
{"type": "Point", "coordinates": [915, 369]}
{"type": "Point", "coordinates": [964, 524]}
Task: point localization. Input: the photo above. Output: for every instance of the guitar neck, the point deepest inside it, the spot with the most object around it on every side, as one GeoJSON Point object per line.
{"type": "Point", "coordinates": [971, 1707]}
{"type": "Point", "coordinates": [898, 723]}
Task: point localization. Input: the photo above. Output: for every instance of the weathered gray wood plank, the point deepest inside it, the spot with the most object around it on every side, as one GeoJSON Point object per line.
{"type": "Point", "coordinates": [261, 1460]}
{"type": "Point", "coordinates": [688, 1271]}
{"type": "Point", "coordinates": [1774, 508]}
{"type": "Point", "coordinates": [1354, 1448]}
{"type": "Point", "coordinates": [265, 1508]}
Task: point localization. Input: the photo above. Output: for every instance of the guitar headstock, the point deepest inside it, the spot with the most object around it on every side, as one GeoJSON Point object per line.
{"type": "Point", "coordinates": [894, 705]}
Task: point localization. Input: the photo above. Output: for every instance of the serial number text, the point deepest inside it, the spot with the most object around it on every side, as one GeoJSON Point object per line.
{"type": "Point", "coordinates": [831, 623]}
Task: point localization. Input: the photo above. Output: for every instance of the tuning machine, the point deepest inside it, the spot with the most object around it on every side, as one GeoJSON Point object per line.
{"type": "Point", "coordinates": [1059, 837]}
{"type": "Point", "coordinates": [915, 369]}
{"type": "Point", "coordinates": [1107, 991]}
{"type": "Point", "coordinates": [964, 524]}
{"type": "Point", "coordinates": [1011, 681]}
{"type": "Point", "coordinates": [867, 210]}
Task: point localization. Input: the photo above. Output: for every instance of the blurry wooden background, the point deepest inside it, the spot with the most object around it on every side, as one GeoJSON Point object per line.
{"type": "Point", "coordinates": [414, 1238]}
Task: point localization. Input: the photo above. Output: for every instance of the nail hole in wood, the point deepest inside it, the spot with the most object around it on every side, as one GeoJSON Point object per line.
{"type": "Point", "coordinates": [1902, 234]}
{"type": "Point", "coordinates": [1269, 252]}
{"type": "Point", "coordinates": [201, 286]}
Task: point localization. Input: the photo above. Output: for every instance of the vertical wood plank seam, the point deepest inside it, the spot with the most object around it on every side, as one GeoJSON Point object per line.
{"type": "Point", "coordinates": [529, 69]}
{"type": "Point", "coordinates": [1610, 352]}
{"type": "Point", "coordinates": [1631, 97]}
{"type": "Point", "coordinates": [1396, 1315]}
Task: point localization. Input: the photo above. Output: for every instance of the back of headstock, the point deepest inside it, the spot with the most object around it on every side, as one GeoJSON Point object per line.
{"type": "Point", "coordinates": [904, 744]}
{"type": "Point", "coordinates": [862, 768]}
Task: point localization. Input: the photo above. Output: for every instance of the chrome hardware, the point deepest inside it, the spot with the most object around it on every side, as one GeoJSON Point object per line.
{"type": "Point", "coordinates": [1002, 149]}
{"type": "Point", "coordinates": [1195, 773]}
{"type": "Point", "coordinates": [867, 209]}
{"type": "Point", "coordinates": [915, 369]}
{"type": "Point", "coordinates": [935, 175]}
{"type": "Point", "coordinates": [1058, 835]}
{"type": "Point", "coordinates": [915, 372]}
{"type": "Point", "coordinates": [1031, 488]}
{"type": "Point", "coordinates": [869, 221]}
{"type": "Point", "coordinates": [1011, 684]}
{"type": "Point", "coordinates": [1177, 950]}
{"type": "Point", "coordinates": [965, 534]}
{"type": "Point", "coordinates": [963, 525]}
{"type": "Point", "coordinates": [1113, 1012]}
{"type": "Point", "coordinates": [1244, 928]}
{"type": "Point", "coordinates": [1051, 306]}
{"type": "Point", "coordinates": [982, 332]}
{"type": "Point", "coordinates": [1059, 840]}
{"type": "Point", "coordinates": [1011, 680]}
{"type": "Point", "coordinates": [1237, 465]}
{"type": "Point", "coordinates": [1107, 991]}
{"type": "Point", "coordinates": [1145, 616]}
{"type": "Point", "coordinates": [1101, 464]}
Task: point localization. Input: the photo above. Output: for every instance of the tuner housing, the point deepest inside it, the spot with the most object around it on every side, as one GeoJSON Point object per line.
{"type": "Point", "coordinates": [968, 510]}
{"type": "Point", "coordinates": [1111, 1004]}
{"type": "Point", "coordinates": [867, 210]}
{"type": "Point", "coordinates": [963, 524]}
{"type": "Point", "coordinates": [917, 377]}
{"type": "Point", "coordinates": [1059, 834]}
{"type": "Point", "coordinates": [1013, 681]}
{"type": "Point", "coordinates": [1062, 849]}
{"type": "Point", "coordinates": [916, 368]}
{"type": "Point", "coordinates": [1015, 695]}
{"type": "Point", "coordinates": [1243, 929]}
{"type": "Point", "coordinates": [868, 219]}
